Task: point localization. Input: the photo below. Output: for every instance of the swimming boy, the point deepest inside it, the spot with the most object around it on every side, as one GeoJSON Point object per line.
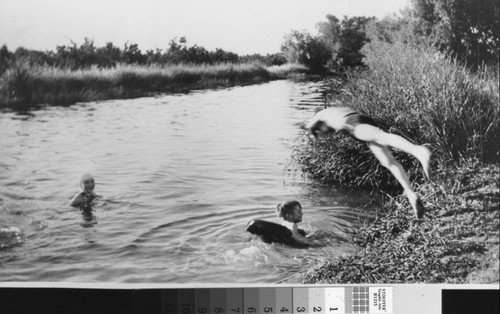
{"type": "Point", "coordinates": [291, 212]}
{"type": "Point", "coordinates": [87, 195]}
{"type": "Point", "coordinates": [364, 128]}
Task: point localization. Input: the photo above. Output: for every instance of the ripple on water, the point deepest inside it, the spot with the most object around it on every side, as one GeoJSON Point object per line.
{"type": "Point", "coordinates": [19, 223]}
{"type": "Point", "coordinates": [10, 237]}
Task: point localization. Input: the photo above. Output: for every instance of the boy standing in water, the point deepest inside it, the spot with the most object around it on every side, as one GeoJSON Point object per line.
{"type": "Point", "coordinates": [87, 195]}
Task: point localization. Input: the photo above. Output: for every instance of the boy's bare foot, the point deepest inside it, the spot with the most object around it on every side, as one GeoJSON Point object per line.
{"type": "Point", "coordinates": [425, 159]}
{"type": "Point", "coordinates": [419, 208]}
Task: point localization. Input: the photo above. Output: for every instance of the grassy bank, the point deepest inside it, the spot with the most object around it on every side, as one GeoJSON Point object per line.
{"type": "Point", "coordinates": [427, 97]}
{"type": "Point", "coordinates": [24, 86]}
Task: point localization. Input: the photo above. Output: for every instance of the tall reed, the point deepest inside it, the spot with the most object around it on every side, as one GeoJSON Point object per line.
{"type": "Point", "coordinates": [431, 98]}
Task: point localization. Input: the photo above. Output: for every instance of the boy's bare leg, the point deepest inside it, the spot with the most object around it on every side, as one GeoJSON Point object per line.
{"type": "Point", "coordinates": [370, 133]}
{"type": "Point", "coordinates": [386, 159]}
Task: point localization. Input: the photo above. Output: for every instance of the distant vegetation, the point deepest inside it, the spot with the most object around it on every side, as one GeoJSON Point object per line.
{"type": "Point", "coordinates": [30, 78]}
{"type": "Point", "coordinates": [25, 87]}
{"type": "Point", "coordinates": [87, 55]}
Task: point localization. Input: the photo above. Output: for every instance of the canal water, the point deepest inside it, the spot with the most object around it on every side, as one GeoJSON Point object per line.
{"type": "Point", "coordinates": [179, 177]}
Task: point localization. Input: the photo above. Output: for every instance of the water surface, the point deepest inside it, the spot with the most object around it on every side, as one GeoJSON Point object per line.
{"type": "Point", "coordinates": [179, 175]}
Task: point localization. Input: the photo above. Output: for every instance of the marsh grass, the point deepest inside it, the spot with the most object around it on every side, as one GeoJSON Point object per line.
{"type": "Point", "coordinates": [24, 86]}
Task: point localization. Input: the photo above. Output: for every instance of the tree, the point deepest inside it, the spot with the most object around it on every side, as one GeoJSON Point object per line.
{"type": "Point", "coordinates": [330, 31]}
{"type": "Point", "coordinates": [345, 38]}
{"type": "Point", "coordinates": [220, 55]}
{"type": "Point", "coordinates": [470, 29]}
{"type": "Point", "coordinates": [131, 54]}
{"type": "Point", "coordinates": [154, 56]}
{"type": "Point", "coordinates": [108, 56]}
{"type": "Point", "coordinates": [352, 38]}
{"type": "Point", "coordinates": [305, 49]}
{"type": "Point", "coordinates": [74, 57]}
{"type": "Point", "coordinates": [5, 58]}
{"type": "Point", "coordinates": [87, 54]}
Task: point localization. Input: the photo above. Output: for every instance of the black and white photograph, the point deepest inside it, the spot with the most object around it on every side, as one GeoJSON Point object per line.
{"type": "Point", "coordinates": [277, 142]}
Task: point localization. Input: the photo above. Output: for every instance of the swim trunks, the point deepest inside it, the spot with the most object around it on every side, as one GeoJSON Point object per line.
{"type": "Point", "coordinates": [355, 119]}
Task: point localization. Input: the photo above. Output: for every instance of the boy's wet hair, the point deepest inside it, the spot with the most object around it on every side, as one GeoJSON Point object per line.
{"type": "Point", "coordinates": [286, 207]}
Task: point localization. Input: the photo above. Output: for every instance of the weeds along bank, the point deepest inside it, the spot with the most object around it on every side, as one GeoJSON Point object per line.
{"type": "Point", "coordinates": [24, 86]}
{"type": "Point", "coordinates": [457, 242]}
{"type": "Point", "coordinates": [426, 97]}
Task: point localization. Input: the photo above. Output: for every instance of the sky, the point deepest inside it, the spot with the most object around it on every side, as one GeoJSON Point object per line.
{"type": "Point", "coordinates": [239, 26]}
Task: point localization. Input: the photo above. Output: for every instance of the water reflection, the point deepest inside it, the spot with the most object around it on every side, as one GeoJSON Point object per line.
{"type": "Point", "coordinates": [89, 219]}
